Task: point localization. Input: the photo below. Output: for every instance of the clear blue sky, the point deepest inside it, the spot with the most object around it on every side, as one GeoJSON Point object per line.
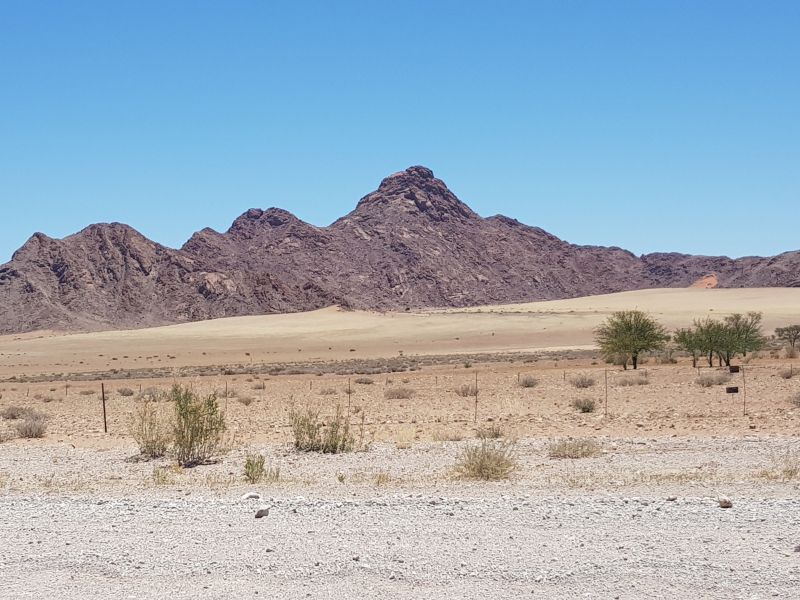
{"type": "Point", "coordinates": [653, 125]}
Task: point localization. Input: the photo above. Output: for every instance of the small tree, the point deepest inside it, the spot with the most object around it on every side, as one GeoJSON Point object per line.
{"type": "Point", "coordinates": [741, 334]}
{"type": "Point", "coordinates": [688, 340]}
{"type": "Point", "coordinates": [709, 336]}
{"type": "Point", "coordinates": [789, 334]}
{"type": "Point", "coordinates": [627, 334]}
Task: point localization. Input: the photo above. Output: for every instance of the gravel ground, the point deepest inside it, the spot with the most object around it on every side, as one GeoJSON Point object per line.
{"type": "Point", "coordinates": [550, 532]}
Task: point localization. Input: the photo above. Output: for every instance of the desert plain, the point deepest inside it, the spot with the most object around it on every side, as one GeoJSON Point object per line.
{"type": "Point", "coordinates": [639, 516]}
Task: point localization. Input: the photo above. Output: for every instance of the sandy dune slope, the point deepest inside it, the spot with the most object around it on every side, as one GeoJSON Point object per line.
{"type": "Point", "coordinates": [331, 333]}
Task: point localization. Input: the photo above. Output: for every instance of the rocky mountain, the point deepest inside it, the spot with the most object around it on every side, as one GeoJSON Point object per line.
{"type": "Point", "coordinates": [409, 244]}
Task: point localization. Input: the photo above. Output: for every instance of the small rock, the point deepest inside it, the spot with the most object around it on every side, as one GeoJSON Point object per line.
{"type": "Point", "coordinates": [250, 496]}
{"type": "Point", "coordinates": [724, 502]}
{"type": "Point", "coordinates": [262, 512]}
{"type": "Point", "coordinates": [671, 498]}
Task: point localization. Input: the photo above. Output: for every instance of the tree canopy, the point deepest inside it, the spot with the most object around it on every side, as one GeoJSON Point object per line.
{"type": "Point", "coordinates": [626, 334]}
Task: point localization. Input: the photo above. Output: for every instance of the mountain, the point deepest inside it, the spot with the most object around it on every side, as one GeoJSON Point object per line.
{"type": "Point", "coordinates": [410, 244]}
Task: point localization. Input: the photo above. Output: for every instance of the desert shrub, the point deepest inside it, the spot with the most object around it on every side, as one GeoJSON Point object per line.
{"type": "Point", "coordinates": [126, 392]}
{"type": "Point", "coordinates": [313, 435]}
{"type": "Point", "coordinates": [198, 427]}
{"type": "Point", "coordinates": [528, 381]}
{"type": "Point", "coordinates": [585, 405]}
{"type": "Point", "coordinates": [711, 379]}
{"type": "Point", "coordinates": [573, 448]}
{"type": "Point", "coordinates": [382, 478]}
{"type": "Point", "coordinates": [582, 381]}
{"type": "Point", "coordinates": [398, 393]}
{"type": "Point", "coordinates": [32, 425]}
{"type": "Point", "coordinates": [364, 381]}
{"type": "Point", "coordinates": [488, 461]}
{"type": "Point", "coordinates": [795, 400]}
{"type": "Point", "coordinates": [327, 391]}
{"type": "Point", "coordinates": [150, 429]}
{"type": "Point", "coordinates": [492, 432]}
{"type": "Point", "coordinates": [447, 436]}
{"type": "Point", "coordinates": [786, 373]}
{"type": "Point", "coordinates": [467, 390]}
{"type": "Point", "coordinates": [260, 386]}
{"type": "Point", "coordinates": [256, 469]}
{"type": "Point", "coordinates": [14, 412]}
{"type": "Point", "coordinates": [245, 400]}
{"type": "Point", "coordinates": [87, 392]}
{"type": "Point", "coordinates": [630, 381]}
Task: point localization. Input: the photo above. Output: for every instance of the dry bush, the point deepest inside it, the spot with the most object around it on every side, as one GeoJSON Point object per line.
{"type": "Point", "coordinates": [447, 436]}
{"type": "Point", "coordinates": [382, 478]}
{"type": "Point", "coordinates": [467, 390]}
{"type": "Point", "coordinates": [633, 380]}
{"type": "Point", "coordinates": [260, 386]}
{"type": "Point", "coordinates": [6, 435]}
{"type": "Point", "coordinates": [32, 425]}
{"type": "Point", "coordinates": [398, 393]}
{"type": "Point", "coordinates": [245, 400]}
{"type": "Point", "coordinates": [198, 427]}
{"type": "Point", "coordinates": [151, 430]}
{"type": "Point", "coordinates": [786, 373]}
{"type": "Point", "coordinates": [795, 400]}
{"type": "Point", "coordinates": [256, 470]}
{"type": "Point", "coordinates": [582, 381]}
{"type": "Point", "coordinates": [87, 392]}
{"type": "Point", "coordinates": [585, 405]}
{"type": "Point", "coordinates": [14, 412]}
{"type": "Point", "coordinates": [488, 461]}
{"type": "Point", "coordinates": [313, 435]}
{"type": "Point", "coordinates": [710, 379]}
{"type": "Point", "coordinates": [364, 381]}
{"type": "Point", "coordinates": [785, 467]}
{"type": "Point", "coordinates": [492, 432]}
{"type": "Point", "coordinates": [577, 448]}
{"type": "Point", "coordinates": [528, 381]}
{"type": "Point", "coordinates": [327, 391]}
{"type": "Point", "coordinates": [126, 392]}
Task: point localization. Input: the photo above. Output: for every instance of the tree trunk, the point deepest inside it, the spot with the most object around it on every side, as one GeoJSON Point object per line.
{"type": "Point", "coordinates": [694, 361]}
{"type": "Point", "coordinates": [634, 360]}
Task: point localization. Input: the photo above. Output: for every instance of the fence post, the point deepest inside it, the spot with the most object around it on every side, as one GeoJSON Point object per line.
{"type": "Point", "coordinates": [103, 396]}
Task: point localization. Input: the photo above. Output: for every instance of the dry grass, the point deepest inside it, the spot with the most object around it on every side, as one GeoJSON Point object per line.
{"type": "Point", "coordinates": [313, 435]}
{"type": "Point", "coordinates": [633, 380]}
{"type": "Point", "coordinates": [32, 425]}
{"type": "Point", "coordinates": [14, 412]}
{"type": "Point", "coordinates": [364, 381]}
{"type": "Point", "coordinates": [528, 381]}
{"type": "Point", "coordinates": [488, 461]}
{"type": "Point", "coordinates": [151, 429]}
{"type": "Point", "coordinates": [785, 467]}
{"type": "Point", "coordinates": [398, 393]}
{"type": "Point", "coordinates": [582, 381]}
{"type": "Point", "coordinates": [467, 390]}
{"type": "Point", "coordinates": [573, 448]}
{"type": "Point", "coordinates": [382, 478]}
{"type": "Point", "coordinates": [585, 405]}
{"type": "Point", "coordinates": [492, 432]}
{"type": "Point", "coordinates": [126, 392]}
{"type": "Point", "coordinates": [711, 379]}
{"type": "Point", "coordinates": [327, 391]}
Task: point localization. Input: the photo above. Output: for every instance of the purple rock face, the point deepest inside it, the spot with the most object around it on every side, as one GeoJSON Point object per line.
{"type": "Point", "coordinates": [410, 244]}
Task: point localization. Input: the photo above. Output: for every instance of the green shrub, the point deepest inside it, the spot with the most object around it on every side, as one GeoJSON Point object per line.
{"type": "Point", "coordinates": [151, 430]}
{"type": "Point", "coordinates": [313, 435]}
{"type": "Point", "coordinates": [198, 427]}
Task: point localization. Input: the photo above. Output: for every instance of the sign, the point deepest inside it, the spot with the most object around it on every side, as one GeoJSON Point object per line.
{"type": "Point", "coordinates": [734, 369]}
{"type": "Point", "coordinates": [732, 390]}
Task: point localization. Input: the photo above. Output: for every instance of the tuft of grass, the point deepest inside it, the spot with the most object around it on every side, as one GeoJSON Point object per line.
{"type": "Point", "coordinates": [32, 425]}
{"type": "Point", "coordinates": [327, 391]}
{"type": "Point", "coordinates": [447, 436]}
{"type": "Point", "coordinates": [125, 391]}
{"type": "Point", "coordinates": [150, 428]}
{"type": "Point", "coordinates": [313, 435]}
{"type": "Point", "coordinates": [583, 381]}
{"type": "Point", "coordinates": [633, 380]}
{"type": "Point", "coordinates": [528, 381]}
{"type": "Point", "coordinates": [467, 390]}
{"type": "Point", "coordinates": [573, 448]}
{"type": "Point", "coordinates": [398, 393]}
{"type": "Point", "coordinates": [488, 461]}
{"type": "Point", "coordinates": [710, 379]}
{"type": "Point", "coordinates": [198, 427]}
{"type": "Point", "coordinates": [14, 412]}
{"type": "Point", "coordinates": [585, 405]}
{"type": "Point", "coordinates": [382, 478]}
{"type": "Point", "coordinates": [492, 432]}
{"type": "Point", "coordinates": [364, 381]}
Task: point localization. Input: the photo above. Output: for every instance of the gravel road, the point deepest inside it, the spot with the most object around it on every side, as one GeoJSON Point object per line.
{"type": "Point", "coordinates": [399, 546]}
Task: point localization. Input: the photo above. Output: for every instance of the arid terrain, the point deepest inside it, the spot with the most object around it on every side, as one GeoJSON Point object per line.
{"type": "Point", "coordinates": [638, 516]}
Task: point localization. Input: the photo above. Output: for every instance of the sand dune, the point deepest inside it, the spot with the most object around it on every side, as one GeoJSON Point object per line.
{"type": "Point", "coordinates": [331, 333]}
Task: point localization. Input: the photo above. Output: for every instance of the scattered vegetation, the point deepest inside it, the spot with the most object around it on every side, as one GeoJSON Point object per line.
{"type": "Point", "coordinates": [710, 379]}
{"type": "Point", "coordinates": [583, 381]}
{"type": "Point", "coordinates": [528, 381]}
{"type": "Point", "coordinates": [198, 427]}
{"type": "Point", "coordinates": [585, 405]}
{"type": "Point", "coordinates": [467, 390]}
{"type": "Point", "coordinates": [488, 461]}
{"type": "Point", "coordinates": [398, 393]}
{"type": "Point", "coordinates": [313, 435]}
{"type": "Point", "coordinates": [150, 429]}
{"type": "Point", "coordinates": [573, 448]}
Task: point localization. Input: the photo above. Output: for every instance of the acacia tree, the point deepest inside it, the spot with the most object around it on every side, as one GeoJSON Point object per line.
{"type": "Point", "coordinates": [741, 334]}
{"type": "Point", "coordinates": [627, 334]}
{"type": "Point", "coordinates": [689, 340]}
{"type": "Point", "coordinates": [708, 337]}
{"type": "Point", "coordinates": [789, 334]}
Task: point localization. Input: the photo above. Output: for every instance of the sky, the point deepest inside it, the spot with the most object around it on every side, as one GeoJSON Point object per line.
{"type": "Point", "coordinates": [652, 125]}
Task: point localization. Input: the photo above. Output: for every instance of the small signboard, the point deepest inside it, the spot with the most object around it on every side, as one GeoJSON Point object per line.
{"type": "Point", "coordinates": [734, 368]}
{"type": "Point", "coordinates": [732, 390]}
